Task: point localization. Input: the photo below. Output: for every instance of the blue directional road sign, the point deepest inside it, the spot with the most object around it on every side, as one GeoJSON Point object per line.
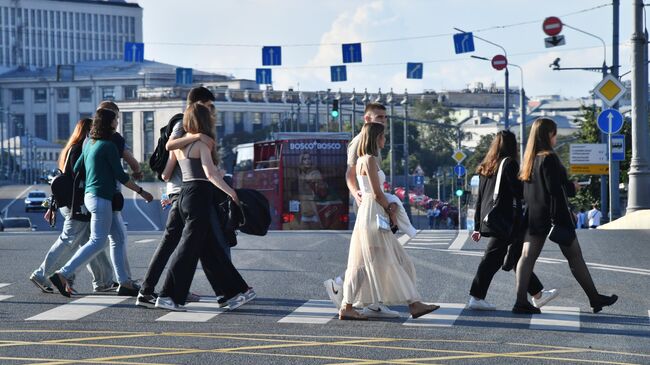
{"type": "Point", "coordinates": [414, 70]}
{"type": "Point", "coordinates": [351, 52]}
{"type": "Point", "coordinates": [610, 121]}
{"type": "Point", "coordinates": [271, 56]}
{"type": "Point", "coordinates": [464, 42]}
{"type": "Point", "coordinates": [618, 147]}
{"type": "Point", "coordinates": [338, 73]}
{"type": "Point", "coordinates": [263, 76]}
{"type": "Point", "coordinates": [184, 76]}
{"type": "Point", "coordinates": [419, 180]}
{"type": "Point", "coordinates": [133, 52]}
{"type": "Point", "coordinates": [459, 170]}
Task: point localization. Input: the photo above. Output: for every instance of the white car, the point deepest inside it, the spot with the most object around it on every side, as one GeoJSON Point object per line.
{"type": "Point", "coordinates": [34, 200]}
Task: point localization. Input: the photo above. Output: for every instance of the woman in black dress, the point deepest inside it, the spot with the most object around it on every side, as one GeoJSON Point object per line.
{"type": "Point", "coordinates": [546, 186]}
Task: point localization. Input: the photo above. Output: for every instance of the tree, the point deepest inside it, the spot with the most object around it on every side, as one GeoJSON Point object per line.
{"type": "Point", "coordinates": [477, 156]}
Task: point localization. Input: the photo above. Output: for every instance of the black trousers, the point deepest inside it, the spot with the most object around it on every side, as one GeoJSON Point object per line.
{"type": "Point", "coordinates": [198, 241]}
{"type": "Point", "coordinates": [169, 242]}
{"type": "Point", "coordinates": [491, 263]}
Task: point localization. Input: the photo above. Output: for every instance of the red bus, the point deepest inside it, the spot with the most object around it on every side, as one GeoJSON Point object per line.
{"type": "Point", "coordinates": [303, 177]}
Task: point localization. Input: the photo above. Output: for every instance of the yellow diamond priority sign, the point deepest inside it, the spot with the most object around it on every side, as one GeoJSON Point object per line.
{"type": "Point", "coordinates": [610, 90]}
{"type": "Point", "coordinates": [458, 156]}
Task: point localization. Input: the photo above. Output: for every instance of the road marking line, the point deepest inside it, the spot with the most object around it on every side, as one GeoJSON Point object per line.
{"type": "Point", "coordinates": [134, 200]}
{"type": "Point", "coordinates": [428, 243]}
{"type": "Point", "coordinates": [196, 312]}
{"type": "Point", "coordinates": [146, 240]}
{"type": "Point", "coordinates": [556, 319]}
{"type": "Point", "coordinates": [2, 285]}
{"type": "Point", "coordinates": [3, 297]}
{"type": "Point", "coordinates": [78, 308]}
{"type": "Point", "coordinates": [459, 241]}
{"type": "Point", "coordinates": [443, 317]}
{"type": "Point", "coordinates": [6, 208]}
{"type": "Point", "coordinates": [312, 312]}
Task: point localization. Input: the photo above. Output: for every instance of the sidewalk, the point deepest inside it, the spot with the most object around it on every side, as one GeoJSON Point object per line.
{"type": "Point", "coordinates": [636, 220]}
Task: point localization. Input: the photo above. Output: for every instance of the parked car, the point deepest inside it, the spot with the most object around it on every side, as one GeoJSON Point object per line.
{"type": "Point", "coordinates": [16, 224]}
{"type": "Point", "coordinates": [34, 200]}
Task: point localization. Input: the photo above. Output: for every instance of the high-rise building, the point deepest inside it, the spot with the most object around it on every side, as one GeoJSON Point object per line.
{"type": "Point", "coordinates": [42, 33]}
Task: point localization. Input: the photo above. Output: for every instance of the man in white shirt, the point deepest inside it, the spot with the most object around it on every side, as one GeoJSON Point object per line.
{"type": "Point", "coordinates": [594, 216]}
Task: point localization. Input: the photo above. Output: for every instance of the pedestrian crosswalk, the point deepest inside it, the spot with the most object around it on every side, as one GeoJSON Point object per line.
{"type": "Point", "coordinates": [313, 311]}
{"type": "Point", "coordinates": [557, 318]}
{"type": "Point", "coordinates": [443, 317]}
{"type": "Point", "coordinates": [78, 309]}
{"type": "Point", "coordinates": [2, 285]}
{"type": "Point", "coordinates": [202, 311]}
{"type": "Point", "coordinates": [426, 240]}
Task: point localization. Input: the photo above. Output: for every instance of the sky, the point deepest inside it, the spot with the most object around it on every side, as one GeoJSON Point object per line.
{"type": "Point", "coordinates": [226, 36]}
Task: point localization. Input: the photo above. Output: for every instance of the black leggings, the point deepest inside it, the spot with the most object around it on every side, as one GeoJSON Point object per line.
{"type": "Point", "coordinates": [492, 260]}
{"type": "Point", "coordinates": [198, 242]}
{"type": "Point", "coordinates": [533, 247]}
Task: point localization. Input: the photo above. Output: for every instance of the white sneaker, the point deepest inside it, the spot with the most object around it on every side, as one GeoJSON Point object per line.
{"type": "Point", "coordinates": [241, 299]}
{"type": "Point", "coordinates": [547, 296]}
{"type": "Point", "coordinates": [168, 303]}
{"type": "Point", "coordinates": [480, 304]}
{"type": "Point", "coordinates": [379, 311]}
{"type": "Point", "coordinates": [334, 291]}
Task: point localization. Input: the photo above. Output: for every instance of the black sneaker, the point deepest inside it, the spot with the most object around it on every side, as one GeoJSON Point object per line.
{"type": "Point", "coordinates": [222, 301]}
{"type": "Point", "coordinates": [127, 291]}
{"type": "Point", "coordinates": [525, 308]}
{"type": "Point", "coordinates": [146, 300]}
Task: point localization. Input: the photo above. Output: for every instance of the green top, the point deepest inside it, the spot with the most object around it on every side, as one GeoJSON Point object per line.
{"type": "Point", "coordinates": [103, 167]}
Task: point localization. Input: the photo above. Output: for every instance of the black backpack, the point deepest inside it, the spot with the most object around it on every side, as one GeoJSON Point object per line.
{"type": "Point", "coordinates": [160, 155]}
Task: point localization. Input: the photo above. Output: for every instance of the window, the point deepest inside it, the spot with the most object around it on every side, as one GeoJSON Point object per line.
{"type": "Point", "coordinates": [17, 96]}
{"type": "Point", "coordinates": [257, 120]}
{"type": "Point", "coordinates": [62, 126]}
{"type": "Point", "coordinates": [275, 119]}
{"type": "Point", "coordinates": [127, 128]}
{"type": "Point", "coordinates": [108, 93]}
{"type": "Point", "coordinates": [221, 123]}
{"type": "Point", "coordinates": [85, 94]}
{"type": "Point", "coordinates": [40, 95]}
{"type": "Point", "coordinates": [238, 121]}
{"type": "Point", "coordinates": [40, 126]}
{"type": "Point", "coordinates": [148, 122]}
{"type": "Point", "coordinates": [19, 124]}
{"type": "Point", "coordinates": [130, 92]}
{"type": "Point", "coordinates": [62, 94]}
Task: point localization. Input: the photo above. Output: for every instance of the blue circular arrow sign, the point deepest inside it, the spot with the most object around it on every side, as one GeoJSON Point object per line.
{"type": "Point", "coordinates": [459, 170]}
{"type": "Point", "coordinates": [610, 121]}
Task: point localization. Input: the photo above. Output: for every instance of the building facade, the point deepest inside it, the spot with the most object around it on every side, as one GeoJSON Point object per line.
{"type": "Point", "coordinates": [42, 33]}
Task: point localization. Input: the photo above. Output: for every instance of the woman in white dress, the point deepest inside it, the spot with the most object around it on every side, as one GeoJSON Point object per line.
{"type": "Point", "coordinates": [379, 270]}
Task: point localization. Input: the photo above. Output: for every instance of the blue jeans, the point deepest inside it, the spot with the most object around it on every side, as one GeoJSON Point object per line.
{"type": "Point", "coordinates": [102, 227]}
{"type": "Point", "coordinates": [74, 234]}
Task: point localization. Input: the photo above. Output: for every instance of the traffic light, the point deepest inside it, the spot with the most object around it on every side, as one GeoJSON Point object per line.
{"type": "Point", "coordinates": [460, 189]}
{"type": "Point", "coordinates": [335, 108]}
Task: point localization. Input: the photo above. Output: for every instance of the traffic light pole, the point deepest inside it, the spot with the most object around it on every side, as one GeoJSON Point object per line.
{"type": "Point", "coordinates": [407, 205]}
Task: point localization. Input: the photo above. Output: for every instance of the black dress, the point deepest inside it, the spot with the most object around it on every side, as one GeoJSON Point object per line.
{"type": "Point", "coordinates": [544, 196]}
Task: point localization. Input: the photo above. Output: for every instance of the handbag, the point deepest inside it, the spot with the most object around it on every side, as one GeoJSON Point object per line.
{"type": "Point", "coordinates": [562, 235]}
{"type": "Point", "coordinates": [495, 223]}
{"type": "Point", "coordinates": [62, 186]}
{"type": "Point", "coordinates": [383, 222]}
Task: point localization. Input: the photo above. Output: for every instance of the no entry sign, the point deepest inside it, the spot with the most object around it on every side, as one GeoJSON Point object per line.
{"type": "Point", "coordinates": [552, 26]}
{"type": "Point", "coordinates": [499, 62]}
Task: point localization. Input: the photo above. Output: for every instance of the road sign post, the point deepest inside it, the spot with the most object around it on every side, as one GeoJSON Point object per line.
{"type": "Point", "coordinates": [610, 121]}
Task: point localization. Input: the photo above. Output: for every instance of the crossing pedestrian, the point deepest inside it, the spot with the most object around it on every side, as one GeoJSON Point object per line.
{"type": "Point", "coordinates": [581, 219]}
{"type": "Point", "coordinates": [546, 186]}
{"type": "Point", "coordinates": [501, 161]}
{"type": "Point", "coordinates": [379, 269]}
{"type": "Point", "coordinates": [174, 225]}
{"type": "Point", "coordinates": [197, 162]}
{"type": "Point", "coordinates": [101, 162]}
{"type": "Point", "coordinates": [373, 113]}
{"type": "Point", "coordinates": [76, 229]}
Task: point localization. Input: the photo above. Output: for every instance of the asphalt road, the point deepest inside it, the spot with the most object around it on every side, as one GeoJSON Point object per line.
{"type": "Point", "coordinates": [287, 271]}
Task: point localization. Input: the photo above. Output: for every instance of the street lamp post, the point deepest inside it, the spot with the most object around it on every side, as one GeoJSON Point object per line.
{"type": "Point", "coordinates": [522, 112]}
{"type": "Point", "coordinates": [391, 101]}
{"type": "Point", "coordinates": [353, 120]}
{"type": "Point", "coordinates": [405, 157]}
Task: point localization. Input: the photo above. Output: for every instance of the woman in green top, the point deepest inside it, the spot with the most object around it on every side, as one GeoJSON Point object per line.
{"type": "Point", "coordinates": [101, 161]}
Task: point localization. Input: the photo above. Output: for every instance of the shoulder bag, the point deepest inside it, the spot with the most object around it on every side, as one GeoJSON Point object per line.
{"type": "Point", "coordinates": [562, 235]}
{"type": "Point", "coordinates": [495, 224]}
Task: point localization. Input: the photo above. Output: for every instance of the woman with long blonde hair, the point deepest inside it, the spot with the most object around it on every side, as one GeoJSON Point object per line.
{"type": "Point", "coordinates": [546, 186]}
{"type": "Point", "coordinates": [379, 269]}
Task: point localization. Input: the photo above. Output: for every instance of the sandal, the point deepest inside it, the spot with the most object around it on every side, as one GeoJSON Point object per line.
{"type": "Point", "coordinates": [428, 308]}
{"type": "Point", "coordinates": [352, 316]}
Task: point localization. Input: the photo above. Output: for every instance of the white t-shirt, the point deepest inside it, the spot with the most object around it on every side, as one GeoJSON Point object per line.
{"type": "Point", "coordinates": [594, 217]}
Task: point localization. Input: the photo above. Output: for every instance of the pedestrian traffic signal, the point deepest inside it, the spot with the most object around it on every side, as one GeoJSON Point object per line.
{"type": "Point", "coordinates": [460, 189]}
{"type": "Point", "coordinates": [335, 108]}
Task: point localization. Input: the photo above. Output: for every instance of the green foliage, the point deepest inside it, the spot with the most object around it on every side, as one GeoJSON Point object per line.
{"type": "Point", "coordinates": [476, 157]}
{"type": "Point", "coordinates": [148, 174]}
